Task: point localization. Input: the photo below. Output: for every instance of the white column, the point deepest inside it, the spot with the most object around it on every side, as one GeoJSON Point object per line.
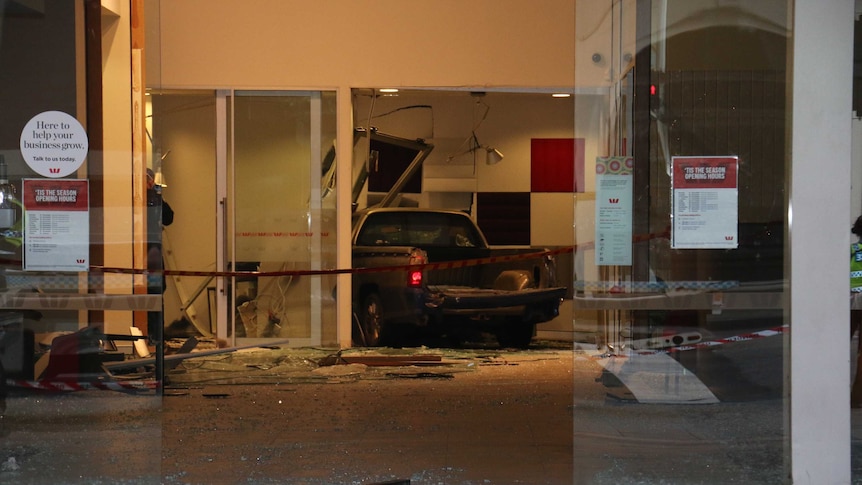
{"type": "Point", "coordinates": [820, 146]}
{"type": "Point", "coordinates": [343, 191]}
{"type": "Point", "coordinates": [222, 305]}
{"type": "Point", "coordinates": [314, 208]}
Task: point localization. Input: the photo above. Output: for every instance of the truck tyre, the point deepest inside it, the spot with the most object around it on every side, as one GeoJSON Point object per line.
{"type": "Point", "coordinates": [3, 385]}
{"type": "Point", "coordinates": [516, 335]}
{"type": "Point", "coordinates": [3, 431]}
{"type": "Point", "coordinates": [370, 321]}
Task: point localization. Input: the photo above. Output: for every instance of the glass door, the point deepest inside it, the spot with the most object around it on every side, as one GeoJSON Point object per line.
{"type": "Point", "coordinates": [280, 220]}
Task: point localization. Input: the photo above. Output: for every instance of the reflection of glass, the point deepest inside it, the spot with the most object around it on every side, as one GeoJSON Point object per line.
{"type": "Point", "coordinates": [698, 80]}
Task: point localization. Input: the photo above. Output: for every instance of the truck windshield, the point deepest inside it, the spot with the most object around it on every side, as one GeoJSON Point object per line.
{"type": "Point", "coordinates": [421, 229]}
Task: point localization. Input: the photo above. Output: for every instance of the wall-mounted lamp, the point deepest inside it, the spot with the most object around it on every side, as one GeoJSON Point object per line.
{"type": "Point", "coordinates": [493, 156]}
{"type": "Point", "coordinates": [159, 177]}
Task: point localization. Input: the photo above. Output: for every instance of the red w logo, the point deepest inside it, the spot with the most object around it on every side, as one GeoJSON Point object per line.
{"type": "Point", "coordinates": [81, 261]}
{"type": "Point", "coordinates": [54, 170]}
{"type": "Point", "coordinates": [614, 201]}
{"type": "Point", "coordinates": [728, 238]}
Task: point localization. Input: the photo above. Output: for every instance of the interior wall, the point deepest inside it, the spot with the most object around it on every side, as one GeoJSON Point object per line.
{"type": "Point", "coordinates": [183, 130]}
{"type": "Point", "coordinates": [447, 119]}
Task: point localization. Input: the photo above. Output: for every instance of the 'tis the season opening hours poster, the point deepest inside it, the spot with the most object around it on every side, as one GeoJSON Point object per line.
{"type": "Point", "coordinates": [705, 202]}
{"type": "Point", "coordinates": [56, 224]}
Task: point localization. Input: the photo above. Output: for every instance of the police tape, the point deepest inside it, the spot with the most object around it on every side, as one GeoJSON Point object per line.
{"type": "Point", "coordinates": [653, 286]}
{"type": "Point", "coordinates": [72, 386]}
{"type": "Point", "coordinates": [771, 332]}
{"type": "Point", "coordinates": [52, 280]}
{"type": "Point", "coordinates": [463, 263]}
{"type": "Point", "coordinates": [97, 276]}
{"type": "Point", "coordinates": [709, 344]}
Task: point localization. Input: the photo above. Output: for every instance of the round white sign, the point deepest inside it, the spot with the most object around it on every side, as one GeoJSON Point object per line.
{"type": "Point", "coordinates": [54, 144]}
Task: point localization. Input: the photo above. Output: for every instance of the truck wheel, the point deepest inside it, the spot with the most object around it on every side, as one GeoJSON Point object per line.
{"type": "Point", "coordinates": [516, 335]}
{"type": "Point", "coordinates": [3, 385]}
{"type": "Point", "coordinates": [369, 321]}
{"type": "Point", "coordinates": [3, 431]}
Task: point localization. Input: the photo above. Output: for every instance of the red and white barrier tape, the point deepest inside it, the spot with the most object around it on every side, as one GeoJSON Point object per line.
{"type": "Point", "coordinates": [429, 266]}
{"type": "Point", "coordinates": [69, 386]}
{"type": "Point", "coordinates": [771, 332]}
{"type": "Point", "coordinates": [709, 343]}
{"type": "Point", "coordinates": [312, 272]}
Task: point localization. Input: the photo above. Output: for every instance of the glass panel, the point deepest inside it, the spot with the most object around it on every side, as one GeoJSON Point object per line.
{"type": "Point", "coordinates": [680, 247]}
{"type": "Point", "coordinates": [61, 326]}
{"type": "Point", "coordinates": [283, 173]}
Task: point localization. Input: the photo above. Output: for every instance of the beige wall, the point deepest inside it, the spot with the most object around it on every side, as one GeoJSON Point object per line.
{"type": "Point", "coordinates": [361, 43]}
{"type": "Point", "coordinates": [183, 129]}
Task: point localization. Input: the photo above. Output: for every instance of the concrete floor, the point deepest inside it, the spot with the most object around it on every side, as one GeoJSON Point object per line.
{"type": "Point", "coordinates": [544, 416]}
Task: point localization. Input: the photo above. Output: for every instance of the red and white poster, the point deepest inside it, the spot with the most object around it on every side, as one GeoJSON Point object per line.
{"type": "Point", "coordinates": [56, 224]}
{"type": "Point", "coordinates": [705, 202]}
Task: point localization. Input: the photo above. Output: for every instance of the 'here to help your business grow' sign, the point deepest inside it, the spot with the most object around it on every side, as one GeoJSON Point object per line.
{"type": "Point", "coordinates": [56, 221]}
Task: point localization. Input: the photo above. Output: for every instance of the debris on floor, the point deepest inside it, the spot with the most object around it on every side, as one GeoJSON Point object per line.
{"type": "Point", "coordinates": [297, 365]}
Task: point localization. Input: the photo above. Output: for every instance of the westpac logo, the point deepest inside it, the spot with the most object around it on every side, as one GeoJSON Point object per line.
{"type": "Point", "coordinates": [80, 261]}
{"type": "Point", "coordinates": [728, 238]}
{"type": "Point", "coordinates": [614, 201]}
{"type": "Point", "coordinates": [54, 170]}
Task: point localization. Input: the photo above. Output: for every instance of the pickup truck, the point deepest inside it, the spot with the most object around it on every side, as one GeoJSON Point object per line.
{"type": "Point", "coordinates": [445, 292]}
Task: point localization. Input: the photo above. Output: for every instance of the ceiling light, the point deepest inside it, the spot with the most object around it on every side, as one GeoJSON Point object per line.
{"type": "Point", "coordinates": [561, 95]}
{"type": "Point", "coordinates": [388, 90]}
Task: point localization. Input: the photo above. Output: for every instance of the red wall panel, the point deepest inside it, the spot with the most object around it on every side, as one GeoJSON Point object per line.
{"type": "Point", "coordinates": [557, 165]}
